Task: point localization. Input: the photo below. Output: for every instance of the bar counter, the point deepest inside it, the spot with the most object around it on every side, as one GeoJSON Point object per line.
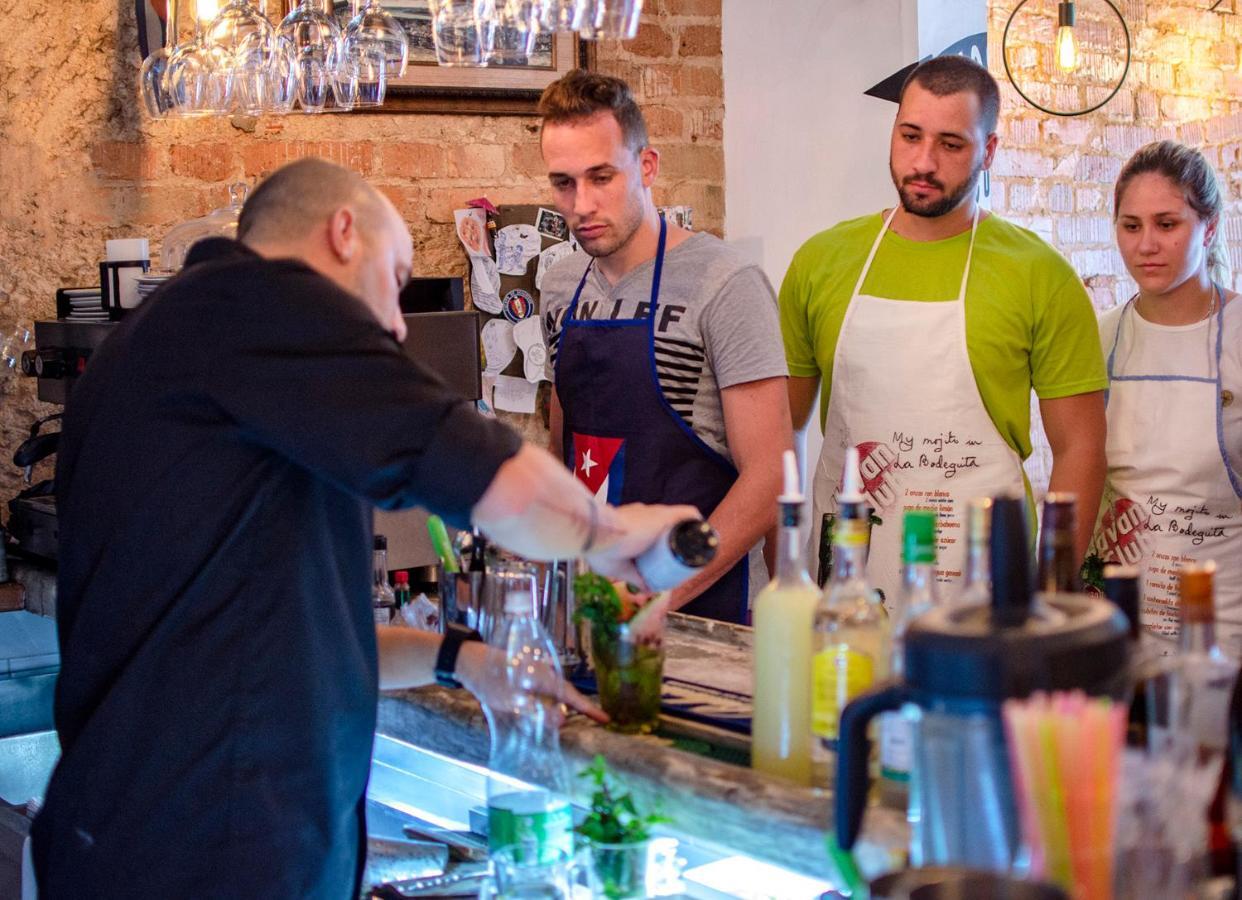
{"type": "Point", "coordinates": [723, 804]}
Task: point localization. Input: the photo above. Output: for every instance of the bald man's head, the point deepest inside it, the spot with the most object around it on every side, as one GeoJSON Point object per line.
{"type": "Point", "coordinates": [299, 197]}
{"type": "Point", "coordinates": [329, 218]}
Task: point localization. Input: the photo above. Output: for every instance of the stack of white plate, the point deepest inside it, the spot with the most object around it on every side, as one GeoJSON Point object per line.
{"type": "Point", "coordinates": [148, 283]}
{"type": "Point", "coordinates": [86, 305]}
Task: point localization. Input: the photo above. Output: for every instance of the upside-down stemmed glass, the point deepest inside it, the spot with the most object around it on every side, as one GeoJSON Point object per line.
{"type": "Point", "coordinates": [464, 31]}
{"type": "Point", "coordinates": [245, 41]}
{"type": "Point", "coordinates": [155, 94]}
{"type": "Point", "coordinates": [517, 31]}
{"type": "Point", "coordinates": [618, 18]}
{"type": "Point", "coordinates": [373, 29]}
{"type": "Point", "coordinates": [315, 37]}
{"type": "Point", "coordinates": [562, 15]}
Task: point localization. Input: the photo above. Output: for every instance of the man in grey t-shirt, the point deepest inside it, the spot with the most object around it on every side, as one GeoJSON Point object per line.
{"type": "Point", "coordinates": [667, 389]}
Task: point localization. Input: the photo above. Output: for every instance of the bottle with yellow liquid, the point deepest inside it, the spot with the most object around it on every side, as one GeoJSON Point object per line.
{"type": "Point", "coordinates": [851, 629]}
{"type": "Point", "coordinates": [783, 613]}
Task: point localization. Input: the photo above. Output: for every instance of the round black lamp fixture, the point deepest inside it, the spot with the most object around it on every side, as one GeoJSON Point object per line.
{"type": "Point", "coordinates": [1065, 54]}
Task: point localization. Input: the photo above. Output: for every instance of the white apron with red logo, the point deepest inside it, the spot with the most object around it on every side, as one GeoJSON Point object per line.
{"type": "Point", "coordinates": [1171, 496]}
{"type": "Point", "coordinates": [904, 394]}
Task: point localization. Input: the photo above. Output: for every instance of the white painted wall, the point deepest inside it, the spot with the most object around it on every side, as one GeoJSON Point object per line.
{"type": "Point", "coordinates": [804, 148]}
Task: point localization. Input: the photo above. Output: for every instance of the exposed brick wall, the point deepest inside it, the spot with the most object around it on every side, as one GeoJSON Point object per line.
{"type": "Point", "coordinates": [79, 163]}
{"type": "Point", "coordinates": [1055, 175]}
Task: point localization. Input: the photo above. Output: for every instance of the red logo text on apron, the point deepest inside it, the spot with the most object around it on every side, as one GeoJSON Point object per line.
{"type": "Point", "coordinates": [1120, 535]}
{"type": "Point", "coordinates": [877, 466]}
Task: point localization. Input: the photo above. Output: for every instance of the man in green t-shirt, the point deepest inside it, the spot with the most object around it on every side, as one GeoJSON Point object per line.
{"type": "Point", "coordinates": [929, 326]}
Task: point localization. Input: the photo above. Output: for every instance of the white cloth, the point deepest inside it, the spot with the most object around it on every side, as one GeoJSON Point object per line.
{"type": "Point", "coordinates": [904, 393]}
{"type": "Point", "coordinates": [1174, 483]}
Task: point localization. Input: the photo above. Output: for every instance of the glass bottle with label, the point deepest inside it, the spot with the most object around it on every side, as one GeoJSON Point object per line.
{"type": "Point", "coordinates": [917, 596]}
{"type": "Point", "coordinates": [783, 613]}
{"type": "Point", "coordinates": [851, 639]}
{"type": "Point", "coordinates": [383, 600]}
{"type": "Point", "coordinates": [1059, 565]}
{"type": "Point", "coordinates": [978, 583]}
{"type": "Point", "coordinates": [528, 782]}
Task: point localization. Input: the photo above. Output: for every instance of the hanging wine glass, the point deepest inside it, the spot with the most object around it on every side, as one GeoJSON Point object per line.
{"type": "Point", "coordinates": [562, 15]}
{"type": "Point", "coordinates": [155, 94]}
{"type": "Point", "coordinates": [315, 37]}
{"type": "Point", "coordinates": [359, 75]}
{"type": "Point", "coordinates": [282, 78]}
{"type": "Point", "coordinates": [198, 81]}
{"type": "Point", "coordinates": [464, 31]}
{"type": "Point", "coordinates": [375, 29]}
{"type": "Point", "coordinates": [618, 18]}
{"type": "Point", "coordinates": [517, 32]}
{"type": "Point", "coordinates": [244, 38]}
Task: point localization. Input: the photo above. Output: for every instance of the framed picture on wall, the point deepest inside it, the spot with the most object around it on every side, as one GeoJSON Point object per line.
{"type": "Point", "coordinates": [495, 89]}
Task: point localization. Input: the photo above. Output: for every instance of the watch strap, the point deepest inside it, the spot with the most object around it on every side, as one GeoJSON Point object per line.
{"type": "Point", "coordinates": [446, 658]}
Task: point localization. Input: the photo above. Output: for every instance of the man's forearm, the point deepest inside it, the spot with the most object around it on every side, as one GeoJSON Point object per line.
{"type": "Point", "coordinates": [1081, 470]}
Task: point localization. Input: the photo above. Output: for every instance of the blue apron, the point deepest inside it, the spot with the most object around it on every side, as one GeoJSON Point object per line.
{"type": "Point", "coordinates": [623, 440]}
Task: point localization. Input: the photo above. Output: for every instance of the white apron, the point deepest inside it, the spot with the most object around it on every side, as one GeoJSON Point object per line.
{"type": "Point", "coordinates": [904, 394]}
{"type": "Point", "coordinates": [1171, 496]}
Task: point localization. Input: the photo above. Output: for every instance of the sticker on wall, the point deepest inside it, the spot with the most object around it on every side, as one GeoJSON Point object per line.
{"type": "Point", "coordinates": [514, 394]}
{"type": "Point", "coordinates": [551, 223]}
{"type": "Point", "coordinates": [485, 284]}
{"type": "Point", "coordinates": [499, 347]}
{"type": "Point", "coordinates": [550, 257]}
{"type": "Point", "coordinates": [516, 245]}
{"type": "Point", "coordinates": [518, 305]}
{"type": "Point", "coordinates": [472, 231]}
{"type": "Point", "coordinates": [528, 335]}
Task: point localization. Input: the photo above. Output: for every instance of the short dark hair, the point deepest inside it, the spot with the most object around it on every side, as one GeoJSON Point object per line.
{"type": "Point", "coordinates": [580, 94]}
{"type": "Point", "coordinates": [944, 75]}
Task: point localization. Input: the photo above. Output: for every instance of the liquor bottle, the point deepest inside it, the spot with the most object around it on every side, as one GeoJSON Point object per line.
{"type": "Point", "coordinates": [977, 589]}
{"type": "Point", "coordinates": [783, 614]}
{"type": "Point", "coordinates": [1203, 695]}
{"type": "Point", "coordinates": [383, 602]}
{"type": "Point", "coordinates": [851, 639]}
{"type": "Point", "coordinates": [917, 596]}
{"type": "Point", "coordinates": [1122, 590]}
{"type": "Point", "coordinates": [678, 554]}
{"type": "Point", "coordinates": [1059, 565]}
{"type": "Point", "coordinates": [528, 783]}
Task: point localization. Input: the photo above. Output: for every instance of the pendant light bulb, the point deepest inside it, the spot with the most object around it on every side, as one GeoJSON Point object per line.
{"type": "Point", "coordinates": [1066, 48]}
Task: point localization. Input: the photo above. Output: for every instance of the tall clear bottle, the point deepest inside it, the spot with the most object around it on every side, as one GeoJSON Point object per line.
{"type": "Point", "coordinates": [783, 615]}
{"type": "Point", "coordinates": [917, 596]}
{"type": "Point", "coordinates": [851, 626]}
{"type": "Point", "coordinates": [383, 600]}
{"type": "Point", "coordinates": [1059, 565]}
{"type": "Point", "coordinates": [528, 786]}
{"type": "Point", "coordinates": [977, 589]}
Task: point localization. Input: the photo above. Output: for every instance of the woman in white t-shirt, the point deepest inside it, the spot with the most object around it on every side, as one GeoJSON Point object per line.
{"type": "Point", "coordinates": [1174, 354]}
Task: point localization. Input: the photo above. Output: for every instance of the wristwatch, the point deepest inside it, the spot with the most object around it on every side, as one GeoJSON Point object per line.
{"type": "Point", "coordinates": [446, 659]}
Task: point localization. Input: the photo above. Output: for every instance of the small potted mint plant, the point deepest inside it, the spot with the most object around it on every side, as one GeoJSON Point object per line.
{"type": "Point", "coordinates": [617, 837]}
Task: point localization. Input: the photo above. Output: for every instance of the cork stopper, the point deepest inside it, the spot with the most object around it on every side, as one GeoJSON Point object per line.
{"type": "Point", "coordinates": [1194, 586]}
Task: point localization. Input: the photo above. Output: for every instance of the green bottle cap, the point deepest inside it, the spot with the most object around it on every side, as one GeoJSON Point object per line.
{"type": "Point", "coordinates": [918, 544]}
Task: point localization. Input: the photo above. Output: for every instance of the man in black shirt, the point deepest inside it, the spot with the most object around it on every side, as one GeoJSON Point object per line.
{"type": "Point", "coordinates": [218, 464]}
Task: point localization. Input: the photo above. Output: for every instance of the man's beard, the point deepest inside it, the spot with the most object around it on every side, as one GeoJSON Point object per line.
{"type": "Point", "coordinates": [624, 229]}
{"type": "Point", "coordinates": [934, 209]}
